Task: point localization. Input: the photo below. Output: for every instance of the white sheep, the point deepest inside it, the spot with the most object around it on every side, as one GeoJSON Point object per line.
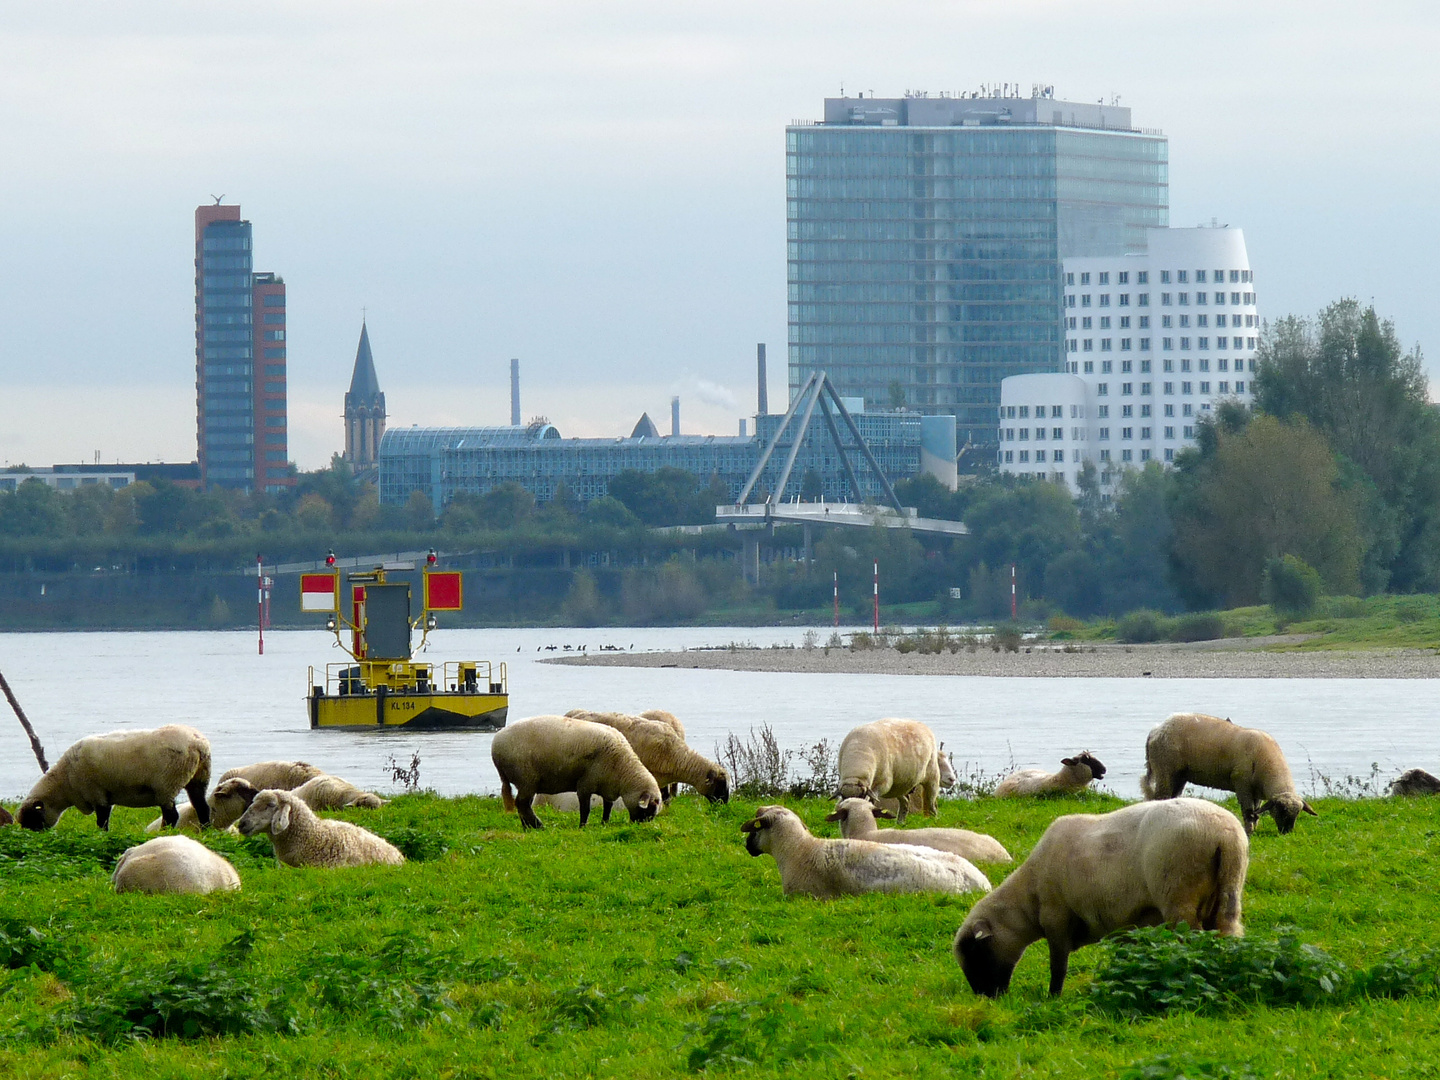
{"type": "Point", "coordinates": [915, 801]}
{"type": "Point", "coordinates": [124, 768]}
{"type": "Point", "coordinates": [888, 759]}
{"type": "Point", "coordinates": [664, 753]}
{"type": "Point", "coordinates": [333, 793]}
{"type": "Point", "coordinates": [278, 775]}
{"type": "Point", "coordinates": [1206, 750]}
{"type": "Point", "coordinates": [173, 864]}
{"type": "Point", "coordinates": [1075, 774]}
{"type": "Point", "coordinates": [553, 754]}
{"type": "Point", "coordinates": [300, 838]}
{"type": "Point", "coordinates": [857, 822]}
{"type": "Point", "coordinates": [227, 802]}
{"type": "Point", "coordinates": [828, 868]}
{"type": "Point", "coordinates": [1415, 782]}
{"type": "Point", "coordinates": [1092, 874]}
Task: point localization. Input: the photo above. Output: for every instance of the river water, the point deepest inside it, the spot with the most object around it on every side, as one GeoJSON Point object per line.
{"type": "Point", "coordinates": [252, 707]}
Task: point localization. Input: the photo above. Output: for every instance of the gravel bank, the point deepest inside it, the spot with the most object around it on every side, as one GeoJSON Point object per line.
{"type": "Point", "coordinates": [1228, 659]}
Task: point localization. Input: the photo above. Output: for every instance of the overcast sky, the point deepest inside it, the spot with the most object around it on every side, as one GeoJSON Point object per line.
{"type": "Point", "coordinates": [598, 188]}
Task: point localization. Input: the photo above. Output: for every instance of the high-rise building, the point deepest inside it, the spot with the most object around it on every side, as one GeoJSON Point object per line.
{"type": "Point", "coordinates": [240, 363]}
{"type": "Point", "coordinates": [364, 410]}
{"type": "Point", "coordinates": [926, 236]}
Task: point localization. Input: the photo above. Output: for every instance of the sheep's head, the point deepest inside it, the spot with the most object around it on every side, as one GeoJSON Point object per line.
{"type": "Point", "coordinates": [948, 779]}
{"type": "Point", "coordinates": [269, 812]}
{"type": "Point", "coordinates": [1090, 761]}
{"type": "Point", "coordinates": [983, 957]}
{"type": "Point", "coordinates": [716, 785]}
{"type": "Point", "coordinates": [37, 817]}
{"type": "Point", "coordinates": [645, 807]}
{"type": "Point", "coordinates": [760, 828]}
{"type": "Point", "coordinates": [367, 800]}
{"type": "Point", "coordinates": [859, 809]}
{"type": "Point", "coordinates": [1286, 808]}
{"type": "Point", "coordinates": [853, 788]}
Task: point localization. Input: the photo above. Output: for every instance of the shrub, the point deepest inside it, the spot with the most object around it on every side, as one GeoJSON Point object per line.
{"type": "Point", "coordinates": [1402, 974]}
{"type": "Point", "coordinates": [1007, 637]}
{"type": "Point", "coordinates": [1291, 587]}
{"type": "Point", "coordinates": [417, 845]}
{"type": "Point", "coordinates": [22, 945]}
{"type": "Point", "coordinates": [1140, 626]}
{"type": "Point", "coordinates": [1197, 626]}
{"type": "Point", "coordinates": [1063, 626]}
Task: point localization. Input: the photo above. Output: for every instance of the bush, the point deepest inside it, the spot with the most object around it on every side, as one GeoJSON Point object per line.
{"type": "Point", "coordinates": [1007, 637]}
{"type": "Point", "coordinates": [1291, 587]}
{"type": "Point", "coordinates": [1197, 626]}
{"type": "Point", "coordinates": [22, 945]}
{"type": "Point", "coordinates": [1140, 626]}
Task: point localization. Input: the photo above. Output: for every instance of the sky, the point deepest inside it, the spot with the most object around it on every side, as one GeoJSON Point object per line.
{"type": "Point", "coordinates": [598, 188]}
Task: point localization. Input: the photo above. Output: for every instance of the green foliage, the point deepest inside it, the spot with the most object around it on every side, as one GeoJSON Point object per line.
{"type": "Point", "coordinates": [1140, 626]}
{"type": "Point", "coordinates": [1185, 1067]}
{"type": "Point", "coordinates": [1195, 626]}
{"type": "Point", "coordinates": [24, 945]}
{"type": "Point", "coordinates": [1291, 586]}
{"type": "Point", "coordinates": [669, 496]}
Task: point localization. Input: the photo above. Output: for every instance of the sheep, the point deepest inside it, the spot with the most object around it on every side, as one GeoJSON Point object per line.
{"type": "Point", "coordinates": [1075, 775]}
{"type": "Point", "coordinates": [1091, 874]}
{"type": "Point", "coordinates": [173, 864]}
{"type": "Point", "coordinates": [664, 753]}
{"type": "Point", "coordinates": [1415, 782]}
{"type": "Point", "coordinates": [915, 801]}
{"type": "Point", "coordinates": [857, 822]}
{"type": "Point", "coordinates": [279, 775]}
{"type": "Point", "coordinates": [1206, 750]}
{"type": "Point", "coordinates": [5, 818]}
{"type": "Point", "coordinates": [124, 768]}
{"type": "Point", "coordinates": [300, 838]}
{"type": "Point", "coordinates": [887, 760]}
{"type": "Point", "coordinates": [228, 801]}
{"type": "Point", "coordinates": [553, 754]}
{"type": "Point", "coordinates": [826, 869]}
{"type": "Point", "coordinates": [332, 793]}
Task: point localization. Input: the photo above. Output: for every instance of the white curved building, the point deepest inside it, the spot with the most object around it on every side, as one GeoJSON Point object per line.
{"type": "Point", "coordinates": [1152, 342]}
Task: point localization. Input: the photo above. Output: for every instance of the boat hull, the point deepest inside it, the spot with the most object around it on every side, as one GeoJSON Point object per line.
{"type": "Point", "coordinates": [439, 711]}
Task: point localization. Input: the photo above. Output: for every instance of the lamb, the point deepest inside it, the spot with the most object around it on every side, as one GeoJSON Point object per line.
{"type": "Point", "coordinates": [1075, 775]}
{"type": "Point", "coordinates": [887, 760]}
{"type": "Point", "coordinates": [173, 864]}
{"type": "Point", "coordinates": [1091, 874]}
{"type": "Point", "coordinates": [332, 793]}
{"type": "Point", "coordinates": [124, 768]}
{"type": "Point", "coordinates": [664, 753]}
{"type": "Point", "coordinates": [553, 754]}
{"type": "Point", "coordinates": [228, 801]}
{"type": "Point", "coordinates": [1206, 750]}
{"type": "Point", "coordinates": [826, 869]}
{"type": "Point", "coordinates": [857, 822]}
{"type": "Point", "coordinates": [279, 775]}
{"type": "Point", "coordinates": [302, 839]}
{"type": "Point", "coordinates": [1415, 782]}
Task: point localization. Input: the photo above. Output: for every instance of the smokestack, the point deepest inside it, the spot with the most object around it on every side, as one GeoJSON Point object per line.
{"type": "Point", "coordinates": [514, 393]}
{"type": "Point", "coordinates": [742, 427]}
{"type": "Point", "coordinates": [674, 416]}
{"type": "Point", "coordinates": [763, 400]}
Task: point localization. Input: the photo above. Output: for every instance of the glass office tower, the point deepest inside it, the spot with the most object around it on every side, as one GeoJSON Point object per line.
{"type": "Point", "coordinates": [926, 234]}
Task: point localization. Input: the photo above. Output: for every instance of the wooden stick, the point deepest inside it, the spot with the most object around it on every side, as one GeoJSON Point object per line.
{"type": "Point", "coordinates": [25, 723]}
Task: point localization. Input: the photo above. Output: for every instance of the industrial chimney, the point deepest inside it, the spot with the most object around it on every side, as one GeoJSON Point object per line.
{"type": "Point", "coordinates": [514, 393]}
{"type": "Point", "coordinates": [763, 401]}
{"type": "Point", "coordinates": [674, 416]}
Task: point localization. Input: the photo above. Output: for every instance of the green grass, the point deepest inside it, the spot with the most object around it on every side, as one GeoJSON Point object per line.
{"type": "Point", "coordinates": [656, 950]}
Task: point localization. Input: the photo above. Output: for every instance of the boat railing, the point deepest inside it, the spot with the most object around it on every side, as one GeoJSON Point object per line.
{"type": "Point", "coordinates": [359, 678]}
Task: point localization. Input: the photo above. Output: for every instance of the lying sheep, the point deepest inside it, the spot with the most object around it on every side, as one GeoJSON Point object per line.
{"type": "Point", "coordinates": [228, 801]}
{"type": "Point", "coordinates": [553, 754]}
{"type": "Point", "coordinates": [1091, 874]}
{"type": "Point", "coordinates": [279, 775]}
{"type": "Point", "coordinates": [1206, 750]}
{"type": "Point", "coordinates": [857, 822]}
{"type": "Point", "coordinates": [887, 760]}
{"type": "Point", "coordinates": [302, 839]}
{"type": "Point", "coordinates": [1075, 775]}
{"type": "Point", "coordinates": [828, 868]}
{"type": "Point", "coordinates": [124, 768]}
{"type": "Point", "coordinates": [664, 753]}
{"type": "Point", "coordinates": [173, 864]}
{"type": "Point", "coordinates": [332, 793]}
{"type": "Point", "coordinates": [1415, 782]}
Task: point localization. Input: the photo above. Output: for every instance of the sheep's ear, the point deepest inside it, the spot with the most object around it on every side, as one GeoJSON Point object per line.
{"type": "Point", "coordinates": [880, 811]}
{"type": "Point", "coordinates": [981, 932]}
{"type": "Point", "coordinates": [1067, 761]}
{"type": "Point", "coordinates": [281, 821]}
{"type": "Point", "coordinates": [750, 826]}
{"type": "Point", "coordinates": [835, 816]}
{"type": "Point", "coordinates": [1309, 809]}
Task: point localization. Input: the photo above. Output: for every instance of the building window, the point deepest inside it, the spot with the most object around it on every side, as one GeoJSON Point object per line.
{"type": "Point", "coordinates": [1165, 299]}
{"type": "Point", "coordinates": [1009, 457]}
{"type": "Point", "coordinates": [1145, 347]}
{"type": "Point", "coordinates": [1126, 455]}
{"type": "Point", "coordinates": [1144, 367]}
{"type": "Point", "coordinates": [1180, 276]}
{"type": "Point", "coordinates": [1224, 387]}
{"type": "Point", "coordinates": [1144, 433]}
{"type": "Point", "coordinates": [1185, 343]}
{"type": "Point", "coordinates": [1169, 409]}
{"type": "Point", "coordinates": [1185, 364]}
{"type": "Point", "coordinates": [1182, 298]}
{"type": "Point", "coordinates": [1167, 343]}
{"type": "Point", "coordinates": [1089, 367]}
{"type": "Point", "coordinates": [1142, 300]}
{"type": "Point", "coordinates": [1104, 322]}
{"type": "Point", "coordinates": [1106, 366]}
{"type": "Point", "coordinates": [1073, 345]}
{"type": "Point", "coordinates": [1239, 387]}
{"type": "Point", "coordinates": [1086, 322]}
{"type": "Point", "coordinates": [1200, 297]}
{"type": "Point", "coordinates": [1144, 410]}
{"type": "Point", "coordinates": [1124, 299]}
{"type": "Point", "coordinates": [1085, 278]}
{"type": "Point", "coordinates": [1122, 278]}
{"type": "Point", "coordinates": [1104, 434]}
{"type": "Point", "coordinates": [274, 300]}
{"type": "Point", "coordinates": [1057, 433]}
{"type": "Point", "coordinates": [1169, 432]}
{"type": "Point", "coordinates": [1189, 431]}
{"type": "Point", "coordinates": [1142, 277]}
{"type": "Point", "coordinates": [1089, 344]}
{"type": "Point", "coordinates": [1024, 456]}
{"type": "Point", "coordinates": [1069, 279]}
{"type": "Point", "coordinates": [1250, 344]}
{"type": "Point", "coordinates": [1104, 455]}
{"type": "Point", "coordinates": [1184, 321]}
{"type": "Point", "coordinates": [1164, 277]}
{"type": "Point", "coordinates": [1105, 299]}
{"type": "Point", "coordinates": [1103, 412]}
{"type": "Point", "coordinates": [1024, 412]}
{"type": "Point", "coordinates": [1126, 388]}
{"type": "Point", "coordinates": [1125, 432]}
{"type": "Point", "coordinates": [1222, 364]}
{"type": "Point", "coordinates": [1187, 409]}
{"type": "Point", "coordinates": [1085, 300]}
{"type": "Point", "coordinates": [1039, 457]}
{"type": "Point", "coordinates": [1185, 388]}
{"type": "Point", "coordinates": [1124, 322]}
{"type": "Point", "coordinates": [1124, 344]}
{"type": "Point", "coordinates": [1057, 412]}
{"type": "Point", "coordinates": [1125, 366]}
{"type": "Point", "coordinates": [1166, 322]}
{"type": "Point", "coordinates": [1199, 277]}
{"type": "Point", "coordinates": [1146, 389]}
{"type": "Point", "coordinates": [1204, 388]}
{"type": "Point", "coordinates": [1204, 343]}
{"type": "Point", "coordinates": [274, 354]}
{"type": "Point", "coordinates": [1104, 277]}
{"type": "Point", "coordinates": [1126, 411]}
{"type": "Point", "coordinates": [1102, 389]}
{"type": "Point", "coordinates": [1024, 434]}
{"type": "Point", "coordinates": [1204, 363]}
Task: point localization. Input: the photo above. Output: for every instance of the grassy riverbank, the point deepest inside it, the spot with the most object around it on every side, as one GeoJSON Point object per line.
{"type": "Point", "coordinates": [661, 950]}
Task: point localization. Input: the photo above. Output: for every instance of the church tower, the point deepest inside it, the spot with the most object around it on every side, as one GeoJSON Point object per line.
{"type": "Point", "coordinates": [364, 410]}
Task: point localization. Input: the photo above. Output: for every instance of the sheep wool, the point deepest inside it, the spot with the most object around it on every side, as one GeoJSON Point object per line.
{"type": "Point", "coordinates": [888, 759]}
{"type": "Point", "coordinates": [228, 801]}
{"type": "Point", "coordinates": [173, 864]}
{"type": "Point", "coordinates": [857, 822]}
{"type": "Point", "coordinates": [1075, 774]}
{"type": "Point", "coordinates": [1415, 782]}
{"type": "Point", "coordinates": [279, 775]}
{"type": "Point", "coordinates": [1092, 874]}
{"type": "Point", "coordinates": [333, 793]}
{"type": "Point", "coordinates": [300, 838]}
{"type": "Point", "coordinates": [664, 753]}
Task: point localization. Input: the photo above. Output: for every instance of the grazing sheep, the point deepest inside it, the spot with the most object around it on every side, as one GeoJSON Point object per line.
{"type": "Point", "coordinates": [1206, 750]}
{"type": "Point", "coordinates": [302, 839]}
{"type": "Point", "coordinates": [1091, 874]}
{"type": "Point", "coordinates": [915, 801]}
{"type": "Point", "coordinates": [664, 753]}
{"type": "Point", "coordinates": [5, 818]}
{"type": "Point", "coordinates": [278, 775]}
{"type": "Point", "coordinates": [1415, 782]}
{"type": "Point", "coordinates": [332, 793]}
{"type": "Point", "coordinates": [567, 802]}
{"type": "Point", "coordinates": [553, 754]}
{"type": "Point", "coordinates": [828, 868]}
{"type": "Point", "coordinates": [1075, 775]}
{"type": "Point", "coordinates": [665, 718]}
{"type": "Point", "coordinates": [857, 822]}
{"type": "Point", "coordinates": [228, 801]}
{"type": "Point", "coordinates": [887, 760]}
{"type": "Point", "coordinates": [173, 864]}
{"type": "Point", "coordinates": [124, 768]}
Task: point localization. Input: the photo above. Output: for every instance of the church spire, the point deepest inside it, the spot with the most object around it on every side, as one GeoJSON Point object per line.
{"type": "Point", "coordinates": [364, 409]}
{"type": "Point", "coordinates": [363, 383]}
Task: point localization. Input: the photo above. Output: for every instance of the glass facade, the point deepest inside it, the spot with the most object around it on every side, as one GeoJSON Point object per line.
{"type": "Point", "coordinates": [226, 360]}
{"type": "Point", "coordinates": [924, 262]}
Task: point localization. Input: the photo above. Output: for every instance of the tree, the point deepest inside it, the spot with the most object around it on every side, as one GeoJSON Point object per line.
{"type": "Point", "coordinates": [33, 509]}
{"type": "Point", "coordinates": [1030, 524]}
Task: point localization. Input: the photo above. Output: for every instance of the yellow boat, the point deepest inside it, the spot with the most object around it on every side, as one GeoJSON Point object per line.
{"type": "Point", "coordinates": [382, 685]}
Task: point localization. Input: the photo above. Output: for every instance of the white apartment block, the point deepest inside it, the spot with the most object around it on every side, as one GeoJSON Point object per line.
{"type": "Point", "coordinates": [1153, 341]}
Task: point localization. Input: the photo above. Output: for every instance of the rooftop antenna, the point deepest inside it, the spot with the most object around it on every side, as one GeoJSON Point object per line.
{"type": "Point", "coordinates": [217, 198]}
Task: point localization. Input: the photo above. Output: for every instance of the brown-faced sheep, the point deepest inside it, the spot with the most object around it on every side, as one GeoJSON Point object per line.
{"type": "Point", "coordinates": [887, 760]}
{"type": "Point", "coordinates": [1415, 782]}
{"type": "Point", "coordinates": [664, 753]}
{"type": "Point", "coordinates": [553, 754]}
{"type": "Point", "coordinates": [1091, 874]}
{"type": "Point", "coordinates": [1075, 774]}
{"type": "Point", "coordinates": [277, 775]}
{"type": "Point", "coordinates": [828, 868]}
{"type": "Point", "coordinates": [5, 818]}
{"type": "Point", "coordinates": [173, 864]}
{"type": "Point", "coordinates": [857, 822]}
{"type": "Point", "coordinates": [124, 768]}
{"type": "Point", "coordinates": [1206, 750]}
{"type": "Point", "coordinates": [300, 838]}
{"type": "Point", "coordinates": [228, 801]}
{"type": "Point", "coordinates": [334, 793]}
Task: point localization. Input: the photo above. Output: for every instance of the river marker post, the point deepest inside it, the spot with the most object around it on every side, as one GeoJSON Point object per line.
{"type": "Point", "coordinates": [877, 596]}
{"type": "Point", "coordinates": [260, 599]}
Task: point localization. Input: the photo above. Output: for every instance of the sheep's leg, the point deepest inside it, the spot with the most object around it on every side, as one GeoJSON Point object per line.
{"type": "Point", "coordinates": [196, 790]}
{"type": "Point", "coordinates": [930, 793]}
{"type": "Point", "coordinates": [606, 805]}
{"type": "Point", "coordinates": [102, 816]}
{"type": "Point", "coordinates": [524, 803]}
{"type": "Point", "coordinates": [584, 796]}
{"type": "Point", "coordinates": [169, 816]}
{"type": "Point", "coordinates": [1249, 812]}
{"type": "Point", "coordinates": [903, 808]}
{"type": "Point", "coordinates": [1059, 964]}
